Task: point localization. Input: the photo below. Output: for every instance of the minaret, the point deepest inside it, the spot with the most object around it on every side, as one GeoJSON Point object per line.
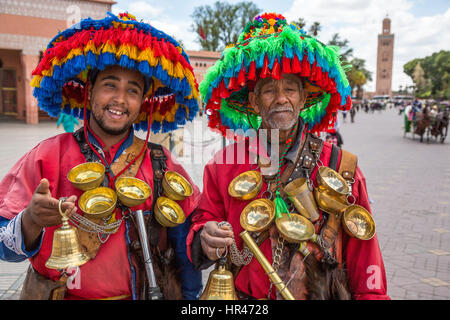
{"type": "Point", "coordinates": [384, 59]}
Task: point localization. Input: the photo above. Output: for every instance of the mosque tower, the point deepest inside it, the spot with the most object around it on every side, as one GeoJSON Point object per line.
{"type": "Point", "coordinates": [385, 56]}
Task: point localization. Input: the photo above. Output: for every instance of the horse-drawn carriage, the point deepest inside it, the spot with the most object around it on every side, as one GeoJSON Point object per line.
{"type": "Point", "coordinates": [428, 121]}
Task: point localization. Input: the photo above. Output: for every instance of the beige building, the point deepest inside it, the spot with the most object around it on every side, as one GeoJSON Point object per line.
{"type": "Point", "coordinates": [26, 27]}
{"type": "Point", "coordinates": [385, 56]}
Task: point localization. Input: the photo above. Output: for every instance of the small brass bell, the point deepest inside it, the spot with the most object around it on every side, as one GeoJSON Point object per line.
{"type": "Point", "coordinates": [220, 284]}
{"type": "Point", "coordinates": [66, 249]}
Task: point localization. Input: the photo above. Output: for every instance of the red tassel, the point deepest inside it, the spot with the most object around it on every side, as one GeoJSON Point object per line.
{"type": "Point", "coordinates": [252, 71]}
{"type": "Point", "coordinates": [276, 70]}
{"type": "Point", "coordinates": [286, 65]}
{"type": "Point", "coordinates": [164, 49]}
{"type": "Point", "coordinates": [156, 48]}
{"type": "Point", "coordinates": [223, 91]}
{"type": "Point", "coordinates": [265, 72]}
{"type": "Point", "coordinates": [296, 66]}
{"type": "Point", "coordinates": [241, 76]}
{"type": "Point", "coordinates": [306, 68]}
{"type": "Point", "coordinates": [233, 84]}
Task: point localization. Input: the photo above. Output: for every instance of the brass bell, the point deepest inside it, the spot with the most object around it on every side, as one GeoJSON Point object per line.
{"type": "Point", "coordinates": [220, 285]}
{"type": "Point", "coordinates": [66, 248]}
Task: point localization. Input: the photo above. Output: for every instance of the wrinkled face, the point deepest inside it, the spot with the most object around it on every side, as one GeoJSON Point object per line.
{"type": "Point", "coordinates": [278, 101]}
{"type": "Point", "coordinates": [116, 98]}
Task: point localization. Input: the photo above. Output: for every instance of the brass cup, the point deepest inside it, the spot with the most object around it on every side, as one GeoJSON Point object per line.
{"type": "Point", "coordinates": [358, 222]}
{"type": "Point", "coordinates": [329, 202]}
{"type": "Point", "coordinates": [168, 213]}
{"type": "Point", "coordinates": [332, 182]}
{"type": "Point", "coordinates": [132, 191]}
{"type": "Point", "coordinates": [175, 186]}
{"type": "Point", "coordinates": [258, 215]}
{"type": "Point", "coordinates": [245, 186]}
{"type": "Point", "coordinates": [98, 203]}
{"type": "Point", "coordinates": [296, 228]}
{"type": "Point", "coordinates": [87, 176]}
{"type": "Point", "coordinates": [303, 199]}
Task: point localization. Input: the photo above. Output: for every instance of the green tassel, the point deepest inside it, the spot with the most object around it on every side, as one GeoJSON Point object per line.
{"type": "Point", "coordinates": [280, 206]}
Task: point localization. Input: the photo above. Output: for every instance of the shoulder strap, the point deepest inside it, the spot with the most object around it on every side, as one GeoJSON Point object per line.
{"type": "Point", "coordinates": [334, 156]}
{"type": "Point", "coordinates": [159, 166]}
{"type": "Point", "coordinates": [347, 167]}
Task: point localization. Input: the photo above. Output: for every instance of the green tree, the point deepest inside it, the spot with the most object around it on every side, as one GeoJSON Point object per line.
{"type": "Point", "coordinates": [345, 51]}
{"type": "Point", "coordinates": [358, 76]}
{"type": "Point", "coordinates": [220, 24]}
{"type": "Point", "coordinates": [434, 81]}
{"type": "Point", "coordinates": [313, 30]}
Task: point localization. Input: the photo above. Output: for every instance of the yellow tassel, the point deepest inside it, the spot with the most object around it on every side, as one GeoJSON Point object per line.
{"type": "Point", "coordinates": [36, 82]}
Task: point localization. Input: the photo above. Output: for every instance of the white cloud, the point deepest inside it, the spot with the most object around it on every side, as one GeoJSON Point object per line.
{"type": "Point", "coordinates": [359, 21]}
{"type": "Point", "coordinates": [160, 18]}
{"type": "Point", "coordinates": [144, 9]}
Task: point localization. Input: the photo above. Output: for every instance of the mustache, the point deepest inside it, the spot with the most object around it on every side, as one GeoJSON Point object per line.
{"type": "Point", "coordinates": [280, 108]}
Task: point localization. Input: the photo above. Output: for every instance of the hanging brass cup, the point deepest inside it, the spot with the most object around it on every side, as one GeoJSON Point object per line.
{"type": "Point", "coordinates": [295, 228]}
{"type": "Point", "coordinates": [66, 248]}
{"type": "Point", "coordinates": [303, 198]}
{"type": "Point", "coordinates": [258, 215]}
{"type": "Point", "coordinates": [175, 186]}
{"type": "Point", "coordinates": [87, 176]}
{"type": "Point", "coordinates": [98, 203]}
{"type": "Point", "coordinates": [132, 191]}
{"type": "Point", "coordinates": [245, 186]}
{"type": "Point", "coordinates": [331, 191]}
{"type": "Point", "coordinates": [168, 213]}
{"type": "Point", "coordinates": [358, 222]}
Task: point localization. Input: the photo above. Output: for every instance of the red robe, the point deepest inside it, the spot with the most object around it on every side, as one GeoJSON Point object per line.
{"type": "Point", "coordinates": [108, 274]}
{"type": "Point", "coordinates": [363, 261]}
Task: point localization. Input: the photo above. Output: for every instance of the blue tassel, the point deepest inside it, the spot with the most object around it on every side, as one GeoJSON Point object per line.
{"type": "Point", "coordinates": [156, 126]}
{"type": "Point", "coordinates": [288, 52]}
{"type": "Point", "coordinates": [260, 61]}
{"type": "Point", "coordinates": [180, 115]}
{"type": "Point", "coordinates": [57, 73]}
{"type": "Point", "coordinates": [145, 69]}
{"type": "Point", "coordinates": [168, 126]}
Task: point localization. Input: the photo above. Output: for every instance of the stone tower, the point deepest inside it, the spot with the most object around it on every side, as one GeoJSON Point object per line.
{"type": "Point", "coordinates": [385, 57]}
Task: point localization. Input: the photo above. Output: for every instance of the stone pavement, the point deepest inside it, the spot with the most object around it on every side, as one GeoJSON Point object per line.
{"type": "Point", "coordinates": [409, 184]}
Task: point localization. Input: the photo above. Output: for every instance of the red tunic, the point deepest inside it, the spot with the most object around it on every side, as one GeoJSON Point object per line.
{"type": "Point", "coordinates": [364, 264]}
{"type": "Point", "coordinates": [108, 274]}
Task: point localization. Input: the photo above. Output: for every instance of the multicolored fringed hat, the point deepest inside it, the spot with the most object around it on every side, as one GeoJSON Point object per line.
{"type": "Point", "coordinates": [268, 47]}
{"type": "Point", "coordinates": [60, 78]}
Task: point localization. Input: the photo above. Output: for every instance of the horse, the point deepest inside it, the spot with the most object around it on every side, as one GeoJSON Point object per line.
{"type": "Point", "coordinates": [421, 123]}
{"type": "Point", "coordinates": [440, 126]}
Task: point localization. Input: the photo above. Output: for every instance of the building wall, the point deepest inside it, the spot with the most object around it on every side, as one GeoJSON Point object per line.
{"type": "Point", "coordinates": [26, 27]}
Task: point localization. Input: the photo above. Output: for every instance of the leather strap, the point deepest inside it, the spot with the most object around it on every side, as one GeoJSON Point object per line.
{"type": "Point", "coordinates": [334, 157]}
{"type": "Point", "coordinates": [347, 167]}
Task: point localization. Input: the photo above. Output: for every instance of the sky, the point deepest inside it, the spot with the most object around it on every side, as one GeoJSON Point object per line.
{"type": "Point", "coordinates": [420, 27]}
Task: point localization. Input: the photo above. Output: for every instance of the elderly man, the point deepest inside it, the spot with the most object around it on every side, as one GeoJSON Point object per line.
{"type": "Point", "coordinates": [280, 79]}
{"type": "Point", "coordinates": [105, 72]}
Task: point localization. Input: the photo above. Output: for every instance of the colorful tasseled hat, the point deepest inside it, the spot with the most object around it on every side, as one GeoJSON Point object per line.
{"type": "Point", "coordinates": [268, 47]}
{"type": "Point", "coordinates": [59, 79]}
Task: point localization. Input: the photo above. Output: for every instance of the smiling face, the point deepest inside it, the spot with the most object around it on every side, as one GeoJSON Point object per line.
{"type": "Point", "coordinates": [278, 101]}
{"type": "Point", "coordinates": [116, 98]}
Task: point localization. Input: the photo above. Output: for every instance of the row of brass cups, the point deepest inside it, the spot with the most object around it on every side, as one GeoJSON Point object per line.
{"type": "Point", "coordinates": [99, 202]}
{"type": "Point", "coordinates": [330, 196]}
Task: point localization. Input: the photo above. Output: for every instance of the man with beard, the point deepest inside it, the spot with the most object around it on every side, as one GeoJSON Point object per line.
{"type": "Point", "coordinates": [105, 72]}
{"type": "Point", "coordinates": [284, 85]}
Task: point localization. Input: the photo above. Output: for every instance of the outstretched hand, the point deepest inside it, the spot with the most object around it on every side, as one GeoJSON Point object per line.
{"type": "Point", "coordinates": [214, 240]}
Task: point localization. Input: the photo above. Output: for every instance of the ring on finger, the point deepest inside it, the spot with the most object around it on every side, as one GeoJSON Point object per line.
{"type": "Point", "coordinates": [224, 255]}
